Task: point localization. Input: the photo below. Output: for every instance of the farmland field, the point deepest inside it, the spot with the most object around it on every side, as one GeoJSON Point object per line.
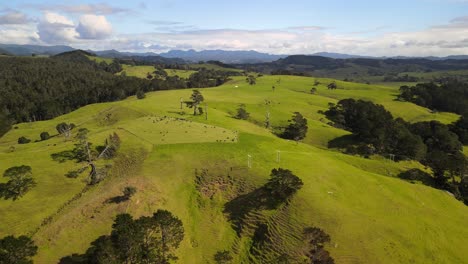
{"type": "Point", "coordinates": [371, 216]}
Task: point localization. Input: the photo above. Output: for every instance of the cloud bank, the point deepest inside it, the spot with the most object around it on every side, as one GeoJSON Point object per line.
{"type": "Point", "coordinates": [88, 27]}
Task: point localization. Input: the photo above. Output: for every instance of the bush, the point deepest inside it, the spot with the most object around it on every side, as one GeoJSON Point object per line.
{"type": "Point", "coordinates": [23, 140]}
{"type": "Point", "coordinates": [44, 136]}
{"type": "Point", "coordinates": [242, 113]}
{"type": "Point", "coordinates": [129, 191]}
{"type": "Point", "coordinates": [140, 94]}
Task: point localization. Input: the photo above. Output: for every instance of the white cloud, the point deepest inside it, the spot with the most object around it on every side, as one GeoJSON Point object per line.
{"type": "Point", "coordinates": [19, 34]}
{"type": "Point", "coordinates": [102, 8]}
{"type": "Point", "coordinates": [13, 18]}
{"type": "Point", "coordinates": [95, 32]}
{"type": "Point", "coordinates": [94, 27]}
{"type": "Point", "coordinates": [56, 29]}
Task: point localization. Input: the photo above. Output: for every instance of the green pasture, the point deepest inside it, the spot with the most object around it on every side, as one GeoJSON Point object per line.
{"type": "Point", "coordinates": [370, 214]}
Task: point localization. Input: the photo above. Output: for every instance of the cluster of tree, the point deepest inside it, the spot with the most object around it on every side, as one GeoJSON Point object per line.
{"type": "Point", "coordinates": [148, 239]}
{"type": "Point", "coordinates": [19, 183]}
{"type": "Point", "coordinates": [43, 88]}
{"type": "Point", "coordinates": [297, 128]}
{"type": "Point", "coordinates": [450, 95]}
{"type": "Point", "coordinates": [400, 78]}
{"type": "Point", "coordinates": [286, 72]}
{"type": "Point", "coordinates": [17, 250]}
{"type": "Point", "coordinates": [360, 67]}
{"type": "Point", "coordinates": [376, 132]}
{"type": "Point", "coordinates": [209, 78]}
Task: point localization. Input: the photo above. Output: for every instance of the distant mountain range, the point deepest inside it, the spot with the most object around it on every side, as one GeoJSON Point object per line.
{"type": "Point", "coordinates": [28, 50]}
{"type": "Point", "coordinates": [231, 57]}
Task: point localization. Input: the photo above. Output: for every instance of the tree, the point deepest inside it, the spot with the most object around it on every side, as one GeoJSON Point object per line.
{"type": "Point", "coordinates": [82, 150]}
{"type": "Point", "coordinates": [196, 98]}
{"type": "Point", "coordinates": [17, 250]}
{"type": "Point", "coordinates": [170, 233]}
{"type": "Point", "coordinates": [44, 136]}
{"type": "Point", "coordinates": [251, 80]}
{"type": "Point", "coordinates": [242, 113]}
{"type": "Point", "coordinates": [20, 182]}
{"type": "Point", "coordinates": [297, 128]}
{"type": "Point", "coordinates": [144, 240]}
{"type": "Point", "coordinates": [112, 145]}
{"type": "Point", "coordinates": [332, 86]}
{"type": "Point", "coordinates": [140, 94]}
{"type": "Point", "coordinates": [223, 257]}
{"type": "Point", "coordinates": [149, 239]}
{"type": "Point", "coordinates": [283, 184]}
{"type": "Point", "coordinates": [128, 192]}
{"type": "Point", "coordinates": [23, 140]}
{"type": "Point", "coordinates": [65, 129]}
{"type": "Point", "coordinates": [317, 239]}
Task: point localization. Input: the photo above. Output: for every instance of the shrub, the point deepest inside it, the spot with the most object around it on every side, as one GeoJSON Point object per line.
{"type": "Point", "coordinates": [140, 94]}
{"type": "Point", "coordinates": [44, 136]}
{"type": "Point", "coordinates": [23, 140]}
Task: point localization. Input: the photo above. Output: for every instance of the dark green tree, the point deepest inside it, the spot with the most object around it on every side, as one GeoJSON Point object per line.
{"type": "Point", "coordinates": [19, 183]}
{"type": "Point", "coordinates": [65, 129]}
{"type": "Point", "coordinates": [17, 250]}
{"type": "Point", "coordinates": [23, 140]}
{"type": "Point", "coordinates": [297, 128]}
{"type": "Point", "coordinates": [223, 257]}
{"type": "Point", "coordinates": [242, 113]}
{"type": "Point", "coordinates": [140, 94]}
{"type": "Point", "coordinates": [128, 192]}
{"type": "Point", "coordinates": [149, 239]}
{"type": "Point", "coordinates": [196, 99]}
{"type": "Point", "coordinates": [283, 184]}
{"type": "Point", "coordinates": [332, 86]}
{"type": "Point", "coordinates": [251, 80]}
{"type": "Point", "coordinates": [44, 136]}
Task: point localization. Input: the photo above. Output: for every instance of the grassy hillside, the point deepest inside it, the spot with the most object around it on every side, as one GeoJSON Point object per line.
{"type": "Point", "coordinates": [371, 216]}
{"type": "Point", "coordinates": [137, 71]}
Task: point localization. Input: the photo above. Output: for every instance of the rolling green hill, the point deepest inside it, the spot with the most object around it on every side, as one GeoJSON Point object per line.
{"type": "Point", "coordinates": [371, 216]}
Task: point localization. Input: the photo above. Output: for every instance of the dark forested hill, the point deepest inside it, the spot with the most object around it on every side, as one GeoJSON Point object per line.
{"type": "Point", "coordinates": [43, 88]}
{"type": "Point", "coordinates": [357, 69]}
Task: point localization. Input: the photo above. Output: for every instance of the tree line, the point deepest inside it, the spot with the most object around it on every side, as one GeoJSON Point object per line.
{"type": "Point", "coordinates": [44, 88]}
{"type": "Point", "coordinates": [375, 131]}
{"type": "Point", "coordinates": [450, 95]}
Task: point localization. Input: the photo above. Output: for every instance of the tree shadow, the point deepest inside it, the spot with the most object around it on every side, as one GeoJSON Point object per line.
{"type": "Point", "coordinates": [342, 142]}
{"type": "Point", "coordinates": [117, 199]}
{"type": "Point", "coordinates": [414, 175]}
{"type": "Point", "coordinates": [240, 207]}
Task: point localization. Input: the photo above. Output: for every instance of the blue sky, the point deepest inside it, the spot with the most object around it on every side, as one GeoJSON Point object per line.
{"type": "Point", "coordinates": [411, 27]}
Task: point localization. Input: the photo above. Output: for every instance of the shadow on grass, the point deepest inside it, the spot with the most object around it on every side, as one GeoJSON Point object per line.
{"type": "Point", "coordinates": [342, 142]}
{"type": "Point", "coordinates": [239, 208]}
{"type": "Point", "coordinates": [117, 199]}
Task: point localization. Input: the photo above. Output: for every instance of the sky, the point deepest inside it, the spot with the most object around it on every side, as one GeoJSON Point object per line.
{"type": "Point", "coordinates": [364, 27]}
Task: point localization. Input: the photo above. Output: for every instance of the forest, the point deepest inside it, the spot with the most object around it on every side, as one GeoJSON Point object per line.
{"type": "Point", "coordinates": [35, 89]}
